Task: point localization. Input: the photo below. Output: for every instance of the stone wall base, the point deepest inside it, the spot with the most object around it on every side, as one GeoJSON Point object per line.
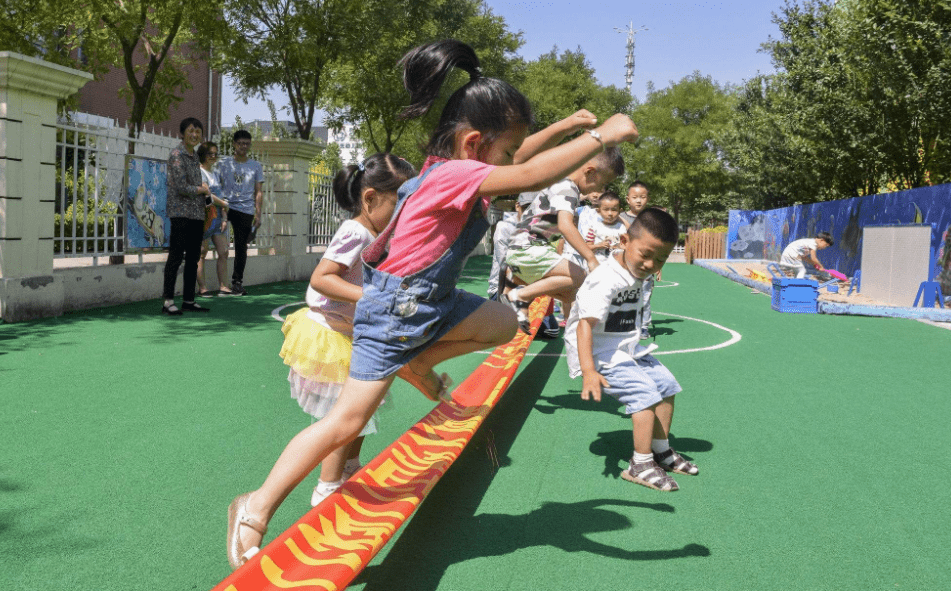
{"type": "Point", "coordinates": [81, 288]}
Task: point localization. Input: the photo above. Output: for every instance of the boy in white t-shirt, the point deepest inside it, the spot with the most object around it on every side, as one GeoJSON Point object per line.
{"type": "Point", "coordinates": [602, 345]}
{"type": "Point", "coordinates": [533, 258]}
{"type": "Point", "coordinates": [603, 234]}
{"type": "Point", "coordinates": [799, 252]}
{"type": "Point", "coordinates": [586, 213]}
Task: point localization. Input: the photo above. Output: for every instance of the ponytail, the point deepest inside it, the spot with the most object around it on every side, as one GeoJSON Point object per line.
{"type": "Point", "coordinates": [426, 67]}
{"type": "Point", "coordinates": [383, 172]}
{"type": "Point", "coordinates": [487, 105]}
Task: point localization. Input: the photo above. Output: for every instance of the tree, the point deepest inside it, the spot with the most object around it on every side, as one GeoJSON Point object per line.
{"type": "Point", "coordinates": [901, 54]}
{"type": "Point", "coordinates": [859, 102]}
{"type": "Point", "coordinates": [560, 84]}
{"type": "Point", "coordinates": [289, 44]}
{"type": "Point", "coordinates": [366, 86]}
{"type": "Point", "coordinates": [679, 154]}
{"type": "Point", "coordinates": [152, 42]}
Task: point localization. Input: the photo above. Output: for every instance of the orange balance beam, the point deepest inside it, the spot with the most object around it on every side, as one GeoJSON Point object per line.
{"type": "Point", "coordinates": [335, 540]}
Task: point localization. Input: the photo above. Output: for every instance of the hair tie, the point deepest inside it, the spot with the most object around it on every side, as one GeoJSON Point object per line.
{"type": "Point", "coordinates": [360, 168]}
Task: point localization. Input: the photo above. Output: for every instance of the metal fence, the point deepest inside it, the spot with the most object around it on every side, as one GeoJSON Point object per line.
{"type": "Point", "coordinates": [88, 201]}
{"type": "Point", "coordinates": [325, 215]}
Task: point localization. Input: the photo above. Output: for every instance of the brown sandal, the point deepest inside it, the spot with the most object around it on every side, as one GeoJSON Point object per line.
{"type": "Point", "coordinates": [674, 462]}
{"type": "Point", "coordinates": [651, 475]}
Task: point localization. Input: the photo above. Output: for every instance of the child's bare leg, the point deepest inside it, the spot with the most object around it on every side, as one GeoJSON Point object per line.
{"type": "Point", "coordinates": [643, 424]}
{"type": "Point", "coordinates": [564, 280]}
{"type": "Point", "coordinates": [221, 265]}
{"type": "Point", "coordinates": [663, 453]}
{"type": "Point", "coordinates": [331, 469]}
{"type": "Point", "coordinates": [343, 423]}
{"type": "Point", "coordinates": [643, 469]}
{"type": "Point", "coordinates": [353, 451]}
{"type": "Point", "coordinates": [491, 325]}
{"type": "Point", "coordinates": [201, 266]}
{"type": "Point", "coordinates": [665, 416]}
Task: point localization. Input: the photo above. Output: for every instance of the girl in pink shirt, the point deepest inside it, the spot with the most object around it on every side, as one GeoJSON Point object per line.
{"type": "Point", "coordinates": [411, 315]}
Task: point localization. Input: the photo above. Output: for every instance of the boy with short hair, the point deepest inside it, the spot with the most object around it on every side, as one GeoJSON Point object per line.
{"type": "Point", "coordinates": [637, 199]}
{"type": "Point", "coordinates": [532, 256]}
{"type": "Point", "coordinates": [242, 186]}
{"type": "Point", "coordinates": [602, 344]}
{"type": "Point", "coordinates": [799, 252]}
{"type": "Point", "coordinates": [603, 234]}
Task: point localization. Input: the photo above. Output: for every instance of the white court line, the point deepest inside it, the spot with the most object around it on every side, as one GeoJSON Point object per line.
{"type": "Point", "coordinates": [276, 312]}
{"type": "Point", "coordinates": [734, 336]}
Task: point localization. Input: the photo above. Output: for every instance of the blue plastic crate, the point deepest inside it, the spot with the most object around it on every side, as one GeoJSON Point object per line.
{"type": "Point", "coordinates": [795, 295]}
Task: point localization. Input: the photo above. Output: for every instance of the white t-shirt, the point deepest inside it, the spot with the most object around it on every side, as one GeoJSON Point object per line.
{"type": "Point", "coordinates": [345, 248]}
{"type": "Point", "coordinates": [613, 296]}
{"type": "Point", "coordinates": [586, 216]}
{"type": "Point", "coordinates": [540, 221]}
{"type": "Point", "coordinates": [597, 231]}
{"type": "Point", "coordinates": [792, 254]}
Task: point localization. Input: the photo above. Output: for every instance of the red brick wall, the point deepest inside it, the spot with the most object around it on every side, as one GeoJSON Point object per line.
{"type": "Point", "coordinates": [101, 97]}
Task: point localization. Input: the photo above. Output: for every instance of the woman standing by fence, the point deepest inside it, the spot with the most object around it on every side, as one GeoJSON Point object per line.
{"type": "Point", "coordinates": [188, 196]}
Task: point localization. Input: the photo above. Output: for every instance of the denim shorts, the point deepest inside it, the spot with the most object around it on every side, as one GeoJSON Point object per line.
{"type": "Point", "coordinates": [639, 383]}
{"type": "Point", "coordinates": [399, 318]}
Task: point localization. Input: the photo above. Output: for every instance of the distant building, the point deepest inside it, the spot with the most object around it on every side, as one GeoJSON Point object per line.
{"type": "Point", "coordinates": [351, 146]}
{"type": "Point", "coordinates": [266, 129]}
{"type": "Point", "coordinates": [100, 98]}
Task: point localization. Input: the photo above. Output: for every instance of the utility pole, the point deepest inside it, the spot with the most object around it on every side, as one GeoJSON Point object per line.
{"type": "Point", "coordinates": [629, 74]}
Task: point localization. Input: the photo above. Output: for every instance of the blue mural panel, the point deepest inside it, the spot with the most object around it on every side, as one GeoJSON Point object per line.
{"type": "Point", "coordinates": [147, 224]}
{"type": "Point", "coordinates": [764, 234]}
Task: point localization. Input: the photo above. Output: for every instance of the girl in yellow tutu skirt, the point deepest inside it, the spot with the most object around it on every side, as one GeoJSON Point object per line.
{"type": "Point", "coordinates": [318, 338]}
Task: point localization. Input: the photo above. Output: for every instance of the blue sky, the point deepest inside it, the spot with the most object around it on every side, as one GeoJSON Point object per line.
{"type": "Point", "coordinates": [720, 39]}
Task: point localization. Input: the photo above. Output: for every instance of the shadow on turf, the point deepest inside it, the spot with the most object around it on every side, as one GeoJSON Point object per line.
{"type": "Point", "coordinates": [660, 328]}
{"type": "Point", "coordinates": [615, 448]}
{"type": "Point", "coordinates": [446, 530]}
{"type": "Point", "coordinates": [246, 312]}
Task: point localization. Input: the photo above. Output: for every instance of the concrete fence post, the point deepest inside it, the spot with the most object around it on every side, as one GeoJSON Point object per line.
{"type": "Point", "coordinates": [287, 207]}
{"type": "Point", "coordinates": [29, 91]}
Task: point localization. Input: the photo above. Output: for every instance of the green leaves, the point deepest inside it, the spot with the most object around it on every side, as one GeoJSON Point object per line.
{"type": "Point", "coordinates": [679, 155]}
{"type": "Point", "coordinates": [858, 105]}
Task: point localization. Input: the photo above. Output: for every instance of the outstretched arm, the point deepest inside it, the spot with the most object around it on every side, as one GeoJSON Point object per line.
{"type": "Point", "coordinates": [554, 164]}
{"type": "Point", "coordinates": [550, 136]}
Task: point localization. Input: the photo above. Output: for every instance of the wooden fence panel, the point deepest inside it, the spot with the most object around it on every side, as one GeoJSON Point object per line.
{"type": "Point", "coordinates": [704, 245]}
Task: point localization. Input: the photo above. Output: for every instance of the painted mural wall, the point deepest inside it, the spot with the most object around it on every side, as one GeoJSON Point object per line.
{"type": "Point", "coordinates": [764, 234]}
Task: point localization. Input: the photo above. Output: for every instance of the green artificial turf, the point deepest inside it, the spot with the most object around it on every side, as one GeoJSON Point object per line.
{"type": "Point", "coordinates": [822, 443]}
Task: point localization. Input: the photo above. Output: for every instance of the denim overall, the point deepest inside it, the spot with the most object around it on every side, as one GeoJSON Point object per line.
{"type": "Point", "coordinates": [399, 317]}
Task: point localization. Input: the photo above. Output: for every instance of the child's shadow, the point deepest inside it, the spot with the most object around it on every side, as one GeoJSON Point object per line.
{"type": "Point", "coordinates": [572, 401]}
{"type": "Point", "coordinates": [615, 447]}
{"type": "Point", "coordinates": [446, 529]}
{"type": "Point", "coordinates": [566, 526]}
{"type": "Point", "coordinates": [660, 328]}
